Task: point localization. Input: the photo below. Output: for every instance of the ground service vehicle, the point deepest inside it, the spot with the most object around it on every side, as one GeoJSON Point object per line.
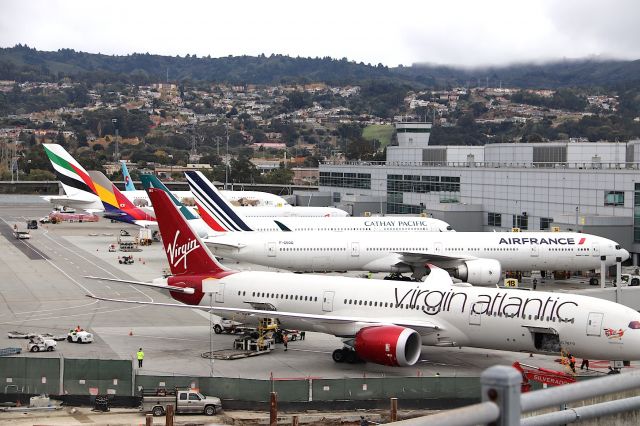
{"type": "Point", "coordinates": [225, 325]}
{"type": "Point", "coordinates": [32, 224]}
{"type": "Point", "coordinates": [126, 260]}
{"type": "Point", "coordinates": [41, 344]}
{"type": "Point", "coordinates": [79, 337]}
{"type": "Point", "coordinates": [184, 401]}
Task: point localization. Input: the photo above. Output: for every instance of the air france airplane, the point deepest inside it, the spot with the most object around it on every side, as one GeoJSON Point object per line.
{"type": "Point", "coordinates": [78, 188]}
{"type": "Point", "coordinates": [474, 257]}
{"type": "Point", "coordinates": [388, 323]}
{"type": "Point", "coordinates": [221, 216]}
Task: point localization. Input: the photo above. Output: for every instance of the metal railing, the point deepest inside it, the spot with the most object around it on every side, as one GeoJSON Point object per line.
{"type": "Point", "coordinates": [492, 164]}
{"type": "Point", "coordinates": [503, 404]}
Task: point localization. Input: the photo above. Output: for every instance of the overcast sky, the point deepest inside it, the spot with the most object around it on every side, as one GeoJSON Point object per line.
{"type": "Point", "coordinates": [452, 32]}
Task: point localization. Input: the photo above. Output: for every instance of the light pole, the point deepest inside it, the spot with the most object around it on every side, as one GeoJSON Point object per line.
{"type": "Point", "coordinates": [116, 153]}
{"type": "Point", "coordinates": [211, 333]}
{"type": "Point", "coordinates": [226, 167]}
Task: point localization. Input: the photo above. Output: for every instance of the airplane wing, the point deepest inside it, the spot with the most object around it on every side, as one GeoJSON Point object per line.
{"type": "Point", "coordinates": [223, 244]}
{"type": "Point", "coordinates": [422, 327]}
{"type": "Point", "coordinates": [184, 290]}
{"type": "Point", "coordinates": [146, 223]}
{"type": "Point", "coordinates": [66, 199]}
{"type": "Point", "coordinates": [439, 260]}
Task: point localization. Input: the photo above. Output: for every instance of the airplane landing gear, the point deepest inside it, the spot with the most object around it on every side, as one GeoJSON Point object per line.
{"type": "Point", "coordinates": [347, 355]}
{"type": "Point", "coordinates": [397, 277]}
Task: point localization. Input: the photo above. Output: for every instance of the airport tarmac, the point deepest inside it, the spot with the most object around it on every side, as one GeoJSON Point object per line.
{"type": "Point", "coordinates": [43, 289]}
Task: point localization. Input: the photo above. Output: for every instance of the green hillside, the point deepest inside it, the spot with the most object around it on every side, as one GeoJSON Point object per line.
{"type": "Point", "coordinates": [381, 132]}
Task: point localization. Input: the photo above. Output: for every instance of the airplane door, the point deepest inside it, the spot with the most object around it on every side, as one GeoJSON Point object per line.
{"type": "Point", "coordinates": [355, 249]}
{"type": "Point", "coordinates": [535, 250]}
{"type": "Point", "coordinates": [215, 288]}
{"type": "Point", "coordinates": [438, 248]}
{"type": "Point", "coordinates": [271, 249]}
{"type": "Point", "coordinates": [327, 301]}
{"type": "Point", "coordinates": [474, 317]}
{"type": "Point", "coordinates": [594, 324]}
{"type": "Point", "coordinates": [595, 250]}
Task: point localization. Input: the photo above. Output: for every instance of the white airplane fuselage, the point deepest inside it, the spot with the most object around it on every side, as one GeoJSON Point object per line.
{"type": "Point", "coordinates": [390, 251]}
{"type": "Point", "coordinates": [512, 320]}
{"type": "Point", "coordinates": [267, 205]}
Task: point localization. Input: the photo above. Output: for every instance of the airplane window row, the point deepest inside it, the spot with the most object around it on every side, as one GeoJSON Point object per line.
{"type": "Point", "coordinates": [283, 296]}
{"type": "Point", "coordinates": [530, 317]}
{"type": "Point", "coordinates": [313, 249]}
{"type": "Point", "coordinates": [376, 304]}
{"type": "Point", "coordinates": [346, 229]}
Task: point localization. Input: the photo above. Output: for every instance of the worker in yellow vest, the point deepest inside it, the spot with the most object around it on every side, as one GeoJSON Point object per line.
{"type": "Point", "coordinates": [140, 356]}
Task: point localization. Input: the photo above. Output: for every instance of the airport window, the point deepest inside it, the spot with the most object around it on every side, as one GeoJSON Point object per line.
{"type": "Point", "coordinates": [614, 198]}
{"type": "Point", "coordinates": [494, 219]}
{"type": "Point", "coordinates": [521, 221]}
{"type": "Point", "coordinates": [545, 223]}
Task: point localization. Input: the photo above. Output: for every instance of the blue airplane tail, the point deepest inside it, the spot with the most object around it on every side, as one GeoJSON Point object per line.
{"type": "Point", "coordinates": [128, 183]}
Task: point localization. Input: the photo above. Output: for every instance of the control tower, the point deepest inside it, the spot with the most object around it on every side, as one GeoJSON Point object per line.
{"type": "Point", "coordinates": [413, 134]}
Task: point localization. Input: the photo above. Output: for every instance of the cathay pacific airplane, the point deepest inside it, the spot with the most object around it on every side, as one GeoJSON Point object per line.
{"type": "Point", "coordinates": [75, 181]}
{"type": "Point", "coordinates": [389, 322]}
{"type": "Point", "coordinates": [474, 257]}
{"type": "Point", "coordinates": [222, 216]}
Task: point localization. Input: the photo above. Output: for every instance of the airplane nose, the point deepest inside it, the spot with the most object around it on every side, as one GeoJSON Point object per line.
{"type": "Point", "coordinates": [624, 254]}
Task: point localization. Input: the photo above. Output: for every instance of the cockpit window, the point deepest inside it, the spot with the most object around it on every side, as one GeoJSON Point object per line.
{"type": "Point", "coordinates": [634, 325]}
{"type": "Point", "coordinates": [617, 246]}
{"type": "Point", "coordinates": [449, 228]}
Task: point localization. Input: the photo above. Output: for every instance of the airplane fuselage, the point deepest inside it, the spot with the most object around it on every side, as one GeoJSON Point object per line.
{"type": "Point", "coordinates": [266, 205]}
{"type": "Point", "coordinates": [512, 320]}
{"type": "Point", "coordinates": [388, 252]}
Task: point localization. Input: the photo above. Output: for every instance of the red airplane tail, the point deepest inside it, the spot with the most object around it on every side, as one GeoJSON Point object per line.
{"type": "Point", "coordinates": [186, 253]}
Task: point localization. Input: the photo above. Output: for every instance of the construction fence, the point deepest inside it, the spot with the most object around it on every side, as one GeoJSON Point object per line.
{"type": "Point", "coordinates": [68, 376]}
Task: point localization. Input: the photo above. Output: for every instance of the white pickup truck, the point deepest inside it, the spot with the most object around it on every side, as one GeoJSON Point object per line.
{"type": "Point", "coordinates": [183, 401]}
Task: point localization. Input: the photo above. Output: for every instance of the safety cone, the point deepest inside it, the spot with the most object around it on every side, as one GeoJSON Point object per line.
{"type": "Point", "coordinates": [130, 332]}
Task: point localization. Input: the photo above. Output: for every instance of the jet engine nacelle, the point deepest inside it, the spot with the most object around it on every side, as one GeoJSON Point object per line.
{"type": "Point", "coordinates": [388, 345]}
{"type": "Point", "coordinates": [479, 271]}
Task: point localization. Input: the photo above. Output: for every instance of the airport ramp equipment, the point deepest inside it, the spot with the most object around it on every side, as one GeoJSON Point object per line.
{"type": "Point", "coordinates": [10, 351]}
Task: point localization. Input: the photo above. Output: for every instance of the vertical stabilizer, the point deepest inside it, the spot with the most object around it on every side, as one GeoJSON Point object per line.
{"type": "Point", "coordinates": [128, 183]}
{"type": "Point", "coordinates": [116, 205]}
{"type": "Point", "coordinates": [74, 178]}
{"type": "Point", "coordinates": [213, 204]}
{"type": "Point", "coordinates": [185, 251]}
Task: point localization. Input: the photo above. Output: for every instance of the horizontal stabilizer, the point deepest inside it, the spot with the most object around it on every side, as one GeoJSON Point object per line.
{"type": "Point", "coordinates": [185, 290]}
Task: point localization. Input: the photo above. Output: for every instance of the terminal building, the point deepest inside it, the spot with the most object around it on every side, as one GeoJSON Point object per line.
{"type": "Point", "coordinates": [577, 186]}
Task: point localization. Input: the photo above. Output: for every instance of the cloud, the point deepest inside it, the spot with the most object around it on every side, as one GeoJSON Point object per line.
{"type": "Point", "coordinates": [458, 32]}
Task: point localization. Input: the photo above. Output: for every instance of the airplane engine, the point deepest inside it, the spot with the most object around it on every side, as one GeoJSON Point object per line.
{"type": "Point", "coordinates": [479, 272]}
{"type": "Point", "coordinates": [388, 345]}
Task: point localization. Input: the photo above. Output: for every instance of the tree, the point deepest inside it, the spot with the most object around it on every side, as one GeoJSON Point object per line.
{"type": "Point", "coordinates": [282, 175]}
{"type": "Point", "coordinates": [243, 170]}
